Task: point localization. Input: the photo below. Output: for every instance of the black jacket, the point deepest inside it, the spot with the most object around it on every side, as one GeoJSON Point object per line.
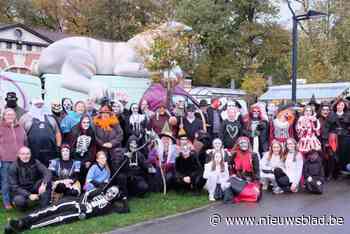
{"type": "Point", "coordinates": [210, 123]}
{"type": "Point", "coordinates": [188, 167]}
{"type": "Point", "coordinates": [23, 176]}
{"type": "Point", "coordinates": [314, 169]}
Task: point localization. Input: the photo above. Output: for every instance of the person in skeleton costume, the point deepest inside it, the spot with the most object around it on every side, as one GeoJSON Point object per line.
{"type": "Point", "coordinates": [281, 128]}
{"type": "Point", "coordinates": [65, 173]}
{"type": "Point", "coordinates": [216, 170]}
{"type": "Point", "coordinates": [162, 157]}
{"type": "Point", "coordinates": [83, 145]}
{"type": "Point", "coordinates": [232, 126]}
{"type": "Point", "coordinates": [137, 123]}
{"type": "Point", "coordinates": [257, 127]}
{"type": "Point", "coordinates": [93, 203]}
{"type": "Point", "coordinates": [189, 171]}
{"type": "Point", "coordinates": [99, 173]}
{"type": "Point", "coordinates": [132, 179]}
{"type": "Point", "coordinates": [308, 128]}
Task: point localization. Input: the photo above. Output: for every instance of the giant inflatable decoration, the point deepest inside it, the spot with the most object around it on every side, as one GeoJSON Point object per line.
{"type": "Point", "coordinates": [80, 58]}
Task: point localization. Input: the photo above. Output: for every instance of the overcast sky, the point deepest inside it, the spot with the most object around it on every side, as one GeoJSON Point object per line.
{"type": "Point", "coordinates": [285, 17]}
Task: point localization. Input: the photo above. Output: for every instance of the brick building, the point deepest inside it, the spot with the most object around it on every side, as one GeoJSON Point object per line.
{"type": "Point", "coordinates": [20, 46]}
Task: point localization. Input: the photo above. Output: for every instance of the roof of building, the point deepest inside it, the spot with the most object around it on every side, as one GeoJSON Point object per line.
{"type": "Point", "coordinates": [305, 91]}
{"type": "Point", "coordinates": [208, 91]}
{"type": "Point", "coordinates": [47, 35]}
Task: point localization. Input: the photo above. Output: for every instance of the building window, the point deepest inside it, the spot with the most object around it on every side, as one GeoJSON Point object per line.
{"type": "Point", "coordinates": [8, 45]}
{"type": "Point", "coordinates": [29, 47]}
{"type": "Point", "coordinates": [19, 46]}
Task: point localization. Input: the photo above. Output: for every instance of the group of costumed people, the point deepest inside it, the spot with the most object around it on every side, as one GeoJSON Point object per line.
{"type": "Point", "coordinates": [76, 161]}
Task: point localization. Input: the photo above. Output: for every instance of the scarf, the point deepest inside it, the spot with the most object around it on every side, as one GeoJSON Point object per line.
{"type": "Point", "coordinates": [243, 161]}
{"type": "Point", "coordinates": [106, 124]}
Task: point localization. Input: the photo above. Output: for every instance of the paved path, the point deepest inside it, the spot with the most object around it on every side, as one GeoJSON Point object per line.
{"type": "Point", "coordinates": [335, 201]}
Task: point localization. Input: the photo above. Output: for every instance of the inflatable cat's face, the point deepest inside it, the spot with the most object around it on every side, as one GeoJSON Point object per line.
{"type": "Point", "coordinates": [173, 27]}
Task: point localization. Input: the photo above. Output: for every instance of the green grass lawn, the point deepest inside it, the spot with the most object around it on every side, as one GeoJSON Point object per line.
{"type": "Point", "coordinates": [153, 206]}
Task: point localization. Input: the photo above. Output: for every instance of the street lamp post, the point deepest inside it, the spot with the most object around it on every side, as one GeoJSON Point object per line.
{"type": "Point", "coordinates": [296, 18]}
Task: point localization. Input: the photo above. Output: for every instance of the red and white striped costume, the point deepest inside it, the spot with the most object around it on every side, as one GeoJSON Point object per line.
{"type": "Point", "coordinates": [308, 128]}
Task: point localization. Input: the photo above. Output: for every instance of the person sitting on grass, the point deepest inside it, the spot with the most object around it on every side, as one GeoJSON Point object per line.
{"type": "Point", "coordinates": [134, 169]}
{"type": "Point", "coordinates": [216, 171]}
{"type": "Point", "coordinates": [94, 203]}
{"type": "Point", "coordinates": [29, 180]}
{"type": "Point", "coordinates": [99, 173]}
{"type": "Point", "coordinates": [189, 172]}
{"type": "Point", "coordinates": [66, 174]}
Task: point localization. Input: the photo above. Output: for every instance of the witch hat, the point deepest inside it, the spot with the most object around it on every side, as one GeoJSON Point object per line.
{"type": "Point", "coordinates": [166, 131]}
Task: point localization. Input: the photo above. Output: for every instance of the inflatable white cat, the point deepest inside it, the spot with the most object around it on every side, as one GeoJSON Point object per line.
{"type": "Point", "coordinates": [80, 58]}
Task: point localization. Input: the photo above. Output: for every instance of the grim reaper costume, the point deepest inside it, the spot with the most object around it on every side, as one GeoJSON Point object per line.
{"type": "Point", "coordinates": [93, 203]}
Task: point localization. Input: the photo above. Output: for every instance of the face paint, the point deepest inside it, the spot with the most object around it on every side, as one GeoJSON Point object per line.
{"type": "Point", "coordinates": [217, 144]}
{"type": "Point", "coordinates": [65, 152]}
{"type": "Point", "coordinates": [67, 105]}
{"type": "Point", "coordinates": [243, 145]}
{"type": "Point", "coordinates": [112, 193]}
{"type": "Point", "coordinates": [134, 109]}
{"type": "Point", "coordinates": [133, 146]}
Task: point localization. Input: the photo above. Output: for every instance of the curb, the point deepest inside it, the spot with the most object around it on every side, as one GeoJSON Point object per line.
{"type": "Point", "coordinates": [161, 219]}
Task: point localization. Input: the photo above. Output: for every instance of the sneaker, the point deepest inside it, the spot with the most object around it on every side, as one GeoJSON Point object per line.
{"type": "Point", "coordinates": [265, 186]}
{"type": "Point", "coordinates": [211, 197]}
{"type": "Point", "coordinates": [277, 190]}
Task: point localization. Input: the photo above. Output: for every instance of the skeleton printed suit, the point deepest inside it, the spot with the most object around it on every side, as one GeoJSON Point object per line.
{"type": "Point", "coordinates": [93, 203]}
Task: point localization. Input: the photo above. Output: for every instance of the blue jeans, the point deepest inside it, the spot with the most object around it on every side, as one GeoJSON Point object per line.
{"type": "Point", "coordinates": [5, 188]}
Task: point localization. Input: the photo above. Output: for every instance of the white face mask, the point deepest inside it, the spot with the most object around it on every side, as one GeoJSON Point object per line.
{"type": "Point", "coordinates": [111, 193]}
{"type": "Point", "coordinates": [217, 144]}
{"type": "Point", "coordinates": [243, 145]}
{"type": "Point", "coordinates": [65, 154]}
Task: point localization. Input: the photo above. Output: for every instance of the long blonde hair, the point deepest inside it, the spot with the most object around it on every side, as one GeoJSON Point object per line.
{"type": "Point", "coordinates": [98, 154]}
{"type": "Point", "coordinates": [284, 158]}
{"type": "Point", "coordinates": [221, 163]}
{"type": "Point", "coordinates": [270, 150]}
